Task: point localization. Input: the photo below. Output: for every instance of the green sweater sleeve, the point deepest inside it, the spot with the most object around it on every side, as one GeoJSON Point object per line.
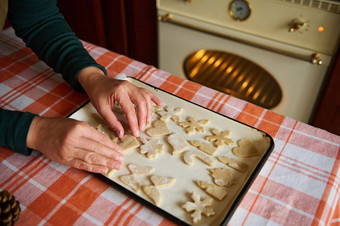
{"type": "Point", "coordinates": [44, 30]}
{"type": "Point", "coordinates": [14, 126]}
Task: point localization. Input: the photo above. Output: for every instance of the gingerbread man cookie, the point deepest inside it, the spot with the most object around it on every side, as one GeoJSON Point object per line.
{"type": "Point", "coordinates": [170, 113]}
{"type": "Point", "coordinates": [151, 147]}
{"type": "Point", "coordinates": [192, 125]}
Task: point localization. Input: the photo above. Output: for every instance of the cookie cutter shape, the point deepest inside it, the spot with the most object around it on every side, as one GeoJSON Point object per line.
{"type": "Point", "coordinates": [162, 181]}
{"type": "Point", "coordinates": [153, 193]}
{"type": "Point", "coordinates": [131, 181]}
{"type": "Point", "coordinates": [192, 125]}
{"type": "Point", "coordinates": [151, 147]}
{"type": "Point", "coordinates": [169, 112]}
{"type": "Point", "coordinates": [223, 177]}
{"type": "Point", "coordinates": [128, 142]}
{"type": "Point", "coordinates": [233, 163]}
{"type": "Point", "coordinates": [219, 138]}
{"type": "Point", "coordinates": [199, 207]}
{"type": "Point", "coordinates": [189, 155]}
{"type": "Point", "coordinates": [159, 128]}
{"type": "Point", "coordinates": [245, 149]}
{"type": "Point", "coordinates": [212, 189]}
{"type": "Point", "coordinates": [105, 130]}
{"type": "Point", "coordinates": [205, 147]}
{"type": "Point", "coordinates": [140, 170]}
{"type": "Point", "coordinates": [178, 143]}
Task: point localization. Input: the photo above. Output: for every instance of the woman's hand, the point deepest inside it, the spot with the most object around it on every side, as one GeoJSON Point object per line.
{"type": "Point", "coordinates": [104, 92]}
{"type": "Point", "coordinates": [75, 144]}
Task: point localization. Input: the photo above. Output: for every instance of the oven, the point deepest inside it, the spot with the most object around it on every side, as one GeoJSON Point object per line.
{"type": "Point", "coordinates": [272, 53]}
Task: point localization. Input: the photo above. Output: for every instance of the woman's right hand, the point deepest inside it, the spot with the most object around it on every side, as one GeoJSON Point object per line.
{"type": "Point", "coordinates": [74, 143]}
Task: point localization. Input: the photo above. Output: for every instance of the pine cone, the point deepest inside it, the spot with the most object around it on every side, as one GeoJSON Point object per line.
{"type": "Point", "coordinates": [9, 208]}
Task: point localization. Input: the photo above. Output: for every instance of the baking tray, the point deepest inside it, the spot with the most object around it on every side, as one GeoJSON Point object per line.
{"type": "Point", "coordinates": [167, 164]}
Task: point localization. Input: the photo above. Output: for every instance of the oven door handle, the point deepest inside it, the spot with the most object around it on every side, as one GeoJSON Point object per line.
{"type": "Point", "coordinates": [241, 37]}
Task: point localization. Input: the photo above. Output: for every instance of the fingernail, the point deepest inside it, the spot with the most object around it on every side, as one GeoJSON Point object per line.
{"type": "Point", "coordinates": [137, 133]}
{"type": "Point", "coordinates": [119, 133]}
{"type": "Point", "coordinates": [117, 166]}
{"type": "Point", "coordinates": [120, 158]}
{"type": "Point", "coordinates": [142, 128]}
{"type": "Point", "coordinates": [105, 170]}
{"type": "Point", "coordinates": [120, 151]}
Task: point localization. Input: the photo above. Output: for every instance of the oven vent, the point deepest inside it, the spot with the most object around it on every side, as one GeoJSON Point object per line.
{"type": "Point", "coordinates": [332, 6]}
{"type": "Point", "coordinates": [233, 75]}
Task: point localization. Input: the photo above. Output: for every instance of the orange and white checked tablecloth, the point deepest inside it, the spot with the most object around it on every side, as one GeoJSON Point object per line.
{"type": "Point", "coordinates": [298, 185]}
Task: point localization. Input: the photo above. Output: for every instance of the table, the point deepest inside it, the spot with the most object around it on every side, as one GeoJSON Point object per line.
{"type": "Point", "coordinates": [298, 185]}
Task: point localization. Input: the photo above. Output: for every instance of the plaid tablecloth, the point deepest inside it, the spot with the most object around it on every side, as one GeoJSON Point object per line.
{"type": "Point", "coordinates": [298, 185]}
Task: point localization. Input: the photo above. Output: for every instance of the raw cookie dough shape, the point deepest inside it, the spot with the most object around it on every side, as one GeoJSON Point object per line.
{"type": "Point", "coordinates": [233, 163]}
{"type": "Point", "coordinates": [151, 147]}
{"type": "Point", "coordinates": [205, 147]}
{"type": "Point", "coordinates": [162, 181]}
{"type": "Point", "coordinates": [199, 207]}
{"type": "Point", "coordinates": [128, 142]}
{"type": "Point", "coordinates": [159, 128]}
{"type": "Point", "coordinates": [131, 181]}
{"type": "Point", "coordinates": [110, 172]}
{"type": "Point", "coordinates": [219, 138]}
{"type": "Point", "coordinates": [178, 143]}
{"type": "Point", "coordinates": [156, 108]}
{"type": "Point", "coordinates": [211, 189]}
{"type": "Point", "coordinates": [153, 193]}
{"type": "Point", "coordinates": [169, 112]}
{"type": "Point", "coordinates": [189, 155]}
{"type": "Point", "coordinates": [192, 124]}
{"type": "Point", "coordinates": [223, 177]}
{"type": "Point", "coordinates": [139, 169]}
{"type": "Point", "coordinates": [245, 149]}
{"type": "Point", "coordinates": [106, 130]}
{"type": "Point", "coordinates": [158, 182]}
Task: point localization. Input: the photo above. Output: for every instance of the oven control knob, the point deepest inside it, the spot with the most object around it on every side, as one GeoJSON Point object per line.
{"type": "Point", "coordinates": [166, 17]}
{"type": "Point", "coordinates": [315, 59]}
{"type": "Point", "coordinates": [296, 25]}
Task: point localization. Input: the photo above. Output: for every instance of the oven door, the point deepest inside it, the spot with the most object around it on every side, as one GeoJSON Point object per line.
{"type": "Point", "coordinates": [300, 80]}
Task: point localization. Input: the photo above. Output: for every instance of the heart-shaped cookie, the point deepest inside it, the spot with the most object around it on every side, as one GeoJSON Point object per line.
{"type": "Point", "coordinates": [245, 149]}
{"type": "Point", "coordinates": [159, 128]}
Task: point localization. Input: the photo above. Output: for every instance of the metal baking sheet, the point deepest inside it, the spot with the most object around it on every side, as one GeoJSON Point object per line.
{"type": "Point", "coordinates": [166, 164]}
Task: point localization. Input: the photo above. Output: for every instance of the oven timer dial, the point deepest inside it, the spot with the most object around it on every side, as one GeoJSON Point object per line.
{"type": "Point", "coordinates": [239, 9]}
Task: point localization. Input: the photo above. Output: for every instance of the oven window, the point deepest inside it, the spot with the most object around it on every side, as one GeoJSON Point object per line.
{"type": "Point", "coordinates": [233, 75]}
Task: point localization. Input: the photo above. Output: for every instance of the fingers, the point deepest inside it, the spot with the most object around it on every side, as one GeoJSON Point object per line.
{"type": "Point", "coordinates": [112, 120]}
{"type": "Point", "coordinates": [97, 154]}
{"type": "Point", "coordinates": [129, 110]}
{"type": "Point", "coordinates": [99, 143]}
{"type": "Point", "coordinates": [142, 99]}
{"type": "Point", "coordinates": [144, 106]}
{"type": "Point", "coordinates": [79, 164]}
